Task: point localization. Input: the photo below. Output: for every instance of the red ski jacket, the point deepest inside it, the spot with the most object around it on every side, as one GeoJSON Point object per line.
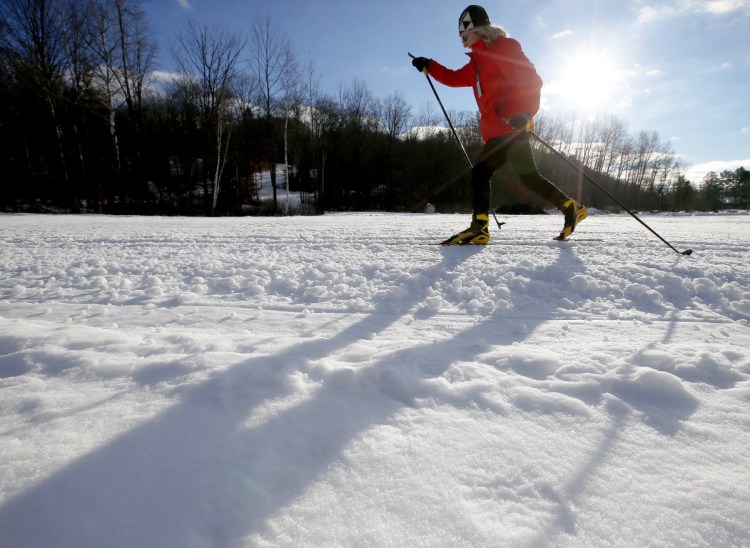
{"type": "Point", "coordinates": [505, 83]}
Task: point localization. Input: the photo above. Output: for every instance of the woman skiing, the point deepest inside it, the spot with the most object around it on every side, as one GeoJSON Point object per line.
{"type": "Point", "coordinates": [507, 89]}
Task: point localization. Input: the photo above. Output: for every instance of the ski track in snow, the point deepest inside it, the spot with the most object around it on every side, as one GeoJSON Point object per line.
{"type": "Point", "coordinates": [336, 381]}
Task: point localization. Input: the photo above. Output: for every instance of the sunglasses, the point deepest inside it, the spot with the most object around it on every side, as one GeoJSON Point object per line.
{"type": "Point", "coordinates": [464, 35]}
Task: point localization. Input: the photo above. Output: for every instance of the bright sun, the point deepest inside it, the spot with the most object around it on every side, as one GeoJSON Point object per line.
{"type": "Point", "coordinates": [587, 81]}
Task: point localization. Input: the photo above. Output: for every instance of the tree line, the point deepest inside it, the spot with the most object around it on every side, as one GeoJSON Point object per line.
{"type": "Point", "coordinates": [86, 124]}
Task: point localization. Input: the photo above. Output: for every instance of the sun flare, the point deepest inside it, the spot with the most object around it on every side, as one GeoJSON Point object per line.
{"type": "Point", "coordinates": [587, 81]}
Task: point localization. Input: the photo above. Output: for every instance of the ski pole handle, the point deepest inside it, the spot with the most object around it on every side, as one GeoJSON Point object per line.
{"type": "Point", "coordinates": [424, 69]}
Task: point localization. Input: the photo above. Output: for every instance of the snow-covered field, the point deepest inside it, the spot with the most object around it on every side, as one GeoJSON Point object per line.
{"type": "Point", "coordinates": [174, 382]}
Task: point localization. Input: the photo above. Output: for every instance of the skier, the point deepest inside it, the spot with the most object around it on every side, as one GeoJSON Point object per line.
{"type": "Point", "coordinates": [507, 90]}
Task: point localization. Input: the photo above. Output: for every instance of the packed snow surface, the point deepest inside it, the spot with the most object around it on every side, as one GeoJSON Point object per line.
{"type": "Point", "coordinates": [336, 381]}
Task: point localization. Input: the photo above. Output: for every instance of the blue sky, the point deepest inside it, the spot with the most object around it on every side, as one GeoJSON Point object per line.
{"type": "Point", "coordinates": [677, 67]}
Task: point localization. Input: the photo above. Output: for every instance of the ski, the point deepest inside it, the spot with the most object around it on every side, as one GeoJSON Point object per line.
{"type": "Point", "coordinates": [558, 239]}
{"type": "Point", "coordinates": [309, 240]}
{"type": "Point", "coordinates": [509, 242]}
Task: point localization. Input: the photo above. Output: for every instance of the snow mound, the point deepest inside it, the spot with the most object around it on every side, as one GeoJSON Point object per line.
{"type": "Point", "coordinates": [648, 387]}
{"type": "Point", "coordinates": [741, 307]}
{"type": "Point", "coordinates": [538, 364]}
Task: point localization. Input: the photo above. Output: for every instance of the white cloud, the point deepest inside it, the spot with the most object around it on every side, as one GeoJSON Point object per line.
{"type": "Point", "coordinates": [697, 172]}
{"type": "Point", "coordinates": [681, 7]}
{"type": "Point", "coordinates": [185, 4]}
{"type": "Point", "coordinates": [163, 76]}
{"type": "Point", "coordinates": [649, 13]}
{"type": "Point", "coordinates": [726, 6]}
{"type": "Point", "coordinates": [562, 34]}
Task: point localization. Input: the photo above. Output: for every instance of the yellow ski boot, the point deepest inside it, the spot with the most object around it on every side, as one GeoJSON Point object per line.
{"type": "Point", "coordinates": [478, 232]}
{"type": "Point", "coordinates": [574, 214]}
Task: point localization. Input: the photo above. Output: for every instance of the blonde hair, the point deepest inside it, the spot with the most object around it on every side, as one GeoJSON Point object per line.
{"type": "Point", "coordinates": [490, 33]}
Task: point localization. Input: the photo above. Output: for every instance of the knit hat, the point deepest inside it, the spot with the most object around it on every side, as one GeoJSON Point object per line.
{"type": "Point", "coordinates": [471, 17]}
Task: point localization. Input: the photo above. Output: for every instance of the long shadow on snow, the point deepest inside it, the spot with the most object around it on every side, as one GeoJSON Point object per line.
{"type": "Point", "coordinates": [199, 474]}
{"type": "Point", "coordinates": [162, 475]}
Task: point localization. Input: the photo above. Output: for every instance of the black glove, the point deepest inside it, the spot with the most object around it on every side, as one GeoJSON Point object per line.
{"type": "Point", "coordinates": [420, 63]}
{"type": "Point", "coordinates": [520, 121]}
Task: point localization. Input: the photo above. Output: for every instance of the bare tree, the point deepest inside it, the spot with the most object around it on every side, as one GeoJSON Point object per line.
{"type": "Point", "coordinates": [311, 94]}
{"type": "Point", "coordinates": [612, 131]}
{"type": "Point", "coordinates": [136, 52]}
{"type": "Point", "coordinates": [586, 141]}
{"type": "Point", "coordinates": [208, 60]}
{"type": "Point", "coordinates": [329, 123]}
{"type": "Point", "coordinates": [105, 49]}
{"type": "Point", "coordinates": [123, 55]}
{"type": "Point", "coordinates": [396, 114]}
{"type": "Point", "coordinates": [289, 103]}
{"type": "Point", "coordinates": [428, 120]}
{"type": "Point", "coordinates": [32, 42]}
{"type": "Point", "coordinates": [74, 17]}
{"type": "Point", "coordinates": [273, 65]}
{"type": "Point", "coordinates": [359, 106]}
{"type": "Point", "coordinates": [647, 148]}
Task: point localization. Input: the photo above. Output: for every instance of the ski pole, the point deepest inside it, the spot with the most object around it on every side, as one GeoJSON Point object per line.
{"type": "Point", "coordinates": [618, 202]}
{"type": "Point", "coordinates": [450, 124]}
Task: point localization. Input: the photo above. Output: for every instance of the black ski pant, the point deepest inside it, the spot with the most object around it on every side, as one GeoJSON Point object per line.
{"type": "Point", "coordinates": [515, 150]}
